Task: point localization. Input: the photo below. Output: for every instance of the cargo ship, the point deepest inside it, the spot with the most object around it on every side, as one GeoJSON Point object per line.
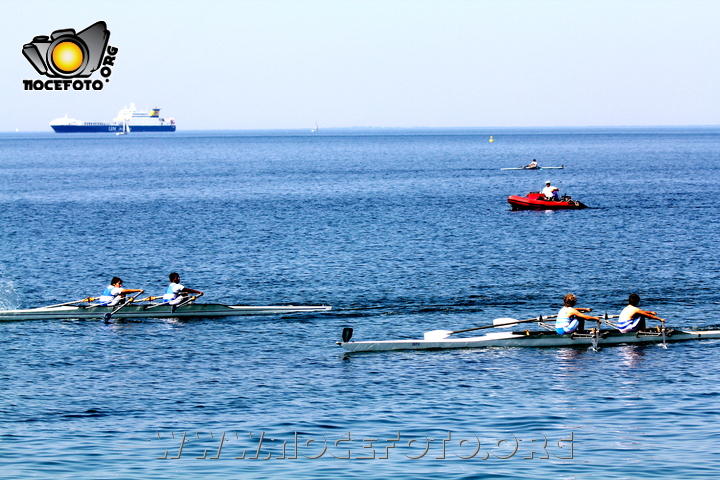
{"type": "Point", "coordinates": [128, 120]}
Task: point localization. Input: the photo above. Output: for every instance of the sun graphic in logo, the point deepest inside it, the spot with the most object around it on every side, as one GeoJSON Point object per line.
{"type": "Point", "coordinates": [67, 56]}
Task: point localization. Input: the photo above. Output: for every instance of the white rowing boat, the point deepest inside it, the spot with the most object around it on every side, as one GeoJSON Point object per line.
{"type": "Point", "coordinates": [534, 168]}
{"type": "Point", "coordinates": [529, 339]}
{"type": "Point", "coordinates": [596, 338]}
{"type": "Point", "coordinates": [153, 311]}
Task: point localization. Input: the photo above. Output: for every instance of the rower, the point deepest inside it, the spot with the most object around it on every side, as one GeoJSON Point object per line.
{"type": "Point", "coordinates": [533, 164]}
{"type": "Point", "coordinates": [571, 319]}
{"type": "Point", "coordinates": [632, 319]}
{"type": "Point", "coordinates": [175, 292]}
{"type": "Point", "coordinates": [114, 293]}
{"type": "Point", "coordinates": [550, 192]}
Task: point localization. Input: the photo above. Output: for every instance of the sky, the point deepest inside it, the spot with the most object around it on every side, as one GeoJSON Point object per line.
{"type": "Point", "coordinates": [281, 64]}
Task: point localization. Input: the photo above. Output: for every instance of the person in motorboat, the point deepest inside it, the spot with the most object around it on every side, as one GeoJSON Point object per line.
{"type": "Point", "coordinates": [176, 292]}
{"type": "Point", "coordinates": [550, 192]}
{"type": "Point", "coordinates": [632, 319]}
{"type": "Point", "coordinates": [570, 319]}
{"type": "Point", "coordinates": [532, 164]}
{"type": "Point", "coordinates": [114, 293]}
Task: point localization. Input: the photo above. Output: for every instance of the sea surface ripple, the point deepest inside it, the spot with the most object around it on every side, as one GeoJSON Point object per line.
{"type": "Point", "coordinates": [402, 232]}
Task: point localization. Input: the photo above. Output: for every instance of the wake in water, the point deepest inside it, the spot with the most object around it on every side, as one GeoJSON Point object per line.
{"type": "Point", "coordinates": [9, 299]}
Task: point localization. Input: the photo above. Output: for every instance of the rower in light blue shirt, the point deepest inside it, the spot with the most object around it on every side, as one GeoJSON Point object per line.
{"type": "Point", "coordinates": [114, 293]}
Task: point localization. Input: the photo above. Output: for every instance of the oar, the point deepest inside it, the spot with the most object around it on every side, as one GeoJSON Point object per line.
{"type": "Point", "coordinates": [501, 322]}
{"type": "Point", "coordinates": [174, 307]}
{"type": "Point", "coordinates": [109, 315]}
{"type": "Point", "coordinates": [662, 329]}
{"type": "Point", "coordinates": [504, 322]}
{"type": "Point", "coordinates": [664, 345]}
{"type": "Point", "coordinates": [88, 299]}
{"type": "Point", "coordinates": [596, 336]}
{"type": "Point", "coordinates": [189, 300]}
{"type": "Point", "coordinates": [148, 299]}
{"type": "Point", "coordinates": [511, 322]}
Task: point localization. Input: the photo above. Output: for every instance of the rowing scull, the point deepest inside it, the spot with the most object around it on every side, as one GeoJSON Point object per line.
{"type": "Point", "coordinates": [528, 338]}
{"type": "Point", "coordinates": [534, 168]}
{"type": "Point", "coordinates": [153, 311]}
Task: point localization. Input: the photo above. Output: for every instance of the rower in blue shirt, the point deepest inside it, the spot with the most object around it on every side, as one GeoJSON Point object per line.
{"type": "Point", "coordinates": [632, 319]}
{"type": "Point", "coordinates": [570, 319]}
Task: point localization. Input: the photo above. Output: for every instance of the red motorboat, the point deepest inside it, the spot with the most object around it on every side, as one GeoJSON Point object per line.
{"type": "Point", "coordinates": [537, 201]}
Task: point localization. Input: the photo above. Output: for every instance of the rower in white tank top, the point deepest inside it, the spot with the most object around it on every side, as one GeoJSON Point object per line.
{"type": "Point", "coordinates": [175, 292]}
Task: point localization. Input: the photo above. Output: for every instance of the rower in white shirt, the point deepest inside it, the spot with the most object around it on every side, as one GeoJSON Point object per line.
{"type": "Point", "coordinates": [176, 292]}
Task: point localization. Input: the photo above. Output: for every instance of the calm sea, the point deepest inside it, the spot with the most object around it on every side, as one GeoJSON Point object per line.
{"type": "Point", "coordinates": [401, 231]}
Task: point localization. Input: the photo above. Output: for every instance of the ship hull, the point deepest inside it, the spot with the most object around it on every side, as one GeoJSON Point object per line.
{"type": "Point", "coordinates": [111, 128]}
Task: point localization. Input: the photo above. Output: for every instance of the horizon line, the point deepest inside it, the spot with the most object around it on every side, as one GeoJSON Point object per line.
{"type": "Point", "coordinates": [301, 129]}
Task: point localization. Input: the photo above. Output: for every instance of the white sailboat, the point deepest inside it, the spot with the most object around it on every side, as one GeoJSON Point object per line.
{"type": "Point", "coordinates": [125, 130]}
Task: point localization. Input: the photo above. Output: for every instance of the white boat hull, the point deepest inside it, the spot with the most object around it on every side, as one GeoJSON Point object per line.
{"type": "Point", "coordinates": [150, 311]}
{"type": "Point", "coordinates": [520, 339]}
{"type": "Point", "coordinates": [534, 168]}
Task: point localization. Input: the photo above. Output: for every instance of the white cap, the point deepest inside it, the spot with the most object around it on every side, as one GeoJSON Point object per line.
{"type": "Point", "coordinates": [548, 181]}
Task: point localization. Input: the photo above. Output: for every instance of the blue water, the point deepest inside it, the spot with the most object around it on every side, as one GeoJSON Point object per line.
{"type": "Point", "coordinates": [401, 232]}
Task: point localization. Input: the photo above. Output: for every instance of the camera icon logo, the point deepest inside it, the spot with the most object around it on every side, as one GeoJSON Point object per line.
{"type": "Point", "coordinates": [66, 54]}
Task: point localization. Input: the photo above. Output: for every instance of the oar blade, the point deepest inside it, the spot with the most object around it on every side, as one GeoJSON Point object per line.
{"type": "Point", "coordinates": [437, 335]}
{"type": "Point", "coordinates": [505, 322]}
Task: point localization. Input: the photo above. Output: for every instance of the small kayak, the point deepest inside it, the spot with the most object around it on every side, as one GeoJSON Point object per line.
{"type": "Point", "coordinates": [536, 201]}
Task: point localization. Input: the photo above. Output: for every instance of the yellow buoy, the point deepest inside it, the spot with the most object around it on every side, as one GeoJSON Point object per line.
{"type": "Point", "coordinates": [491, 139]}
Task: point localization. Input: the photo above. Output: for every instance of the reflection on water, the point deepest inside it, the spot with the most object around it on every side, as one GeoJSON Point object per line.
{"type": "Point", "coordinates": [567, 360]}
{"type": "Point", "coordinates": [631, 355]}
